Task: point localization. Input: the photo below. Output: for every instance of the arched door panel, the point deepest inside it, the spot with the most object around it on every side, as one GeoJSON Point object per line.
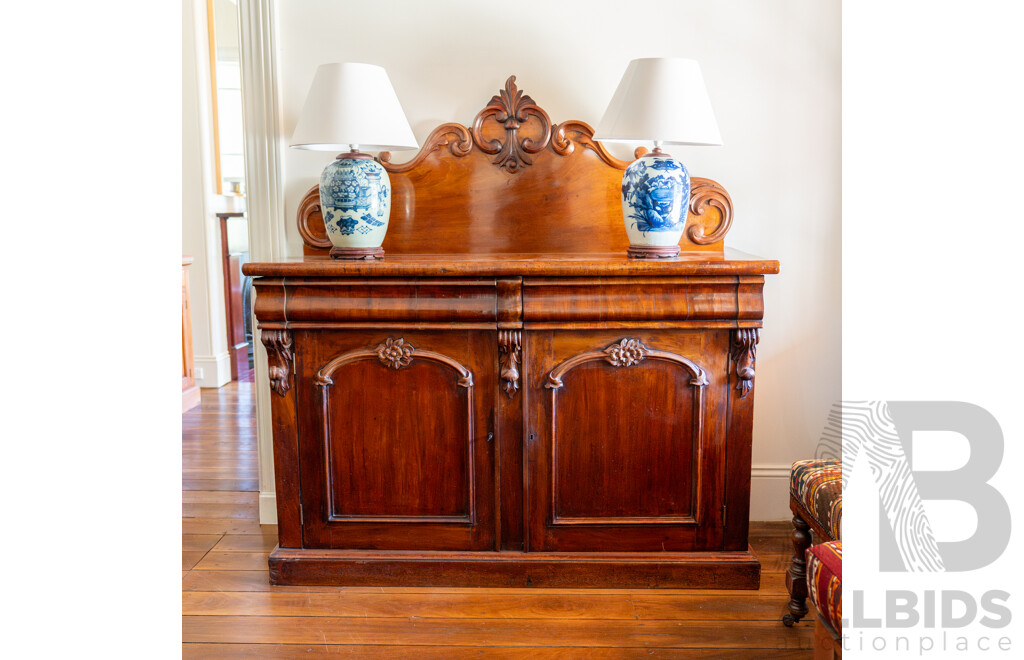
{"type": "Point", "coordinates": [399, 454]}
{"type": "Point", "coordinates": [619, 442]}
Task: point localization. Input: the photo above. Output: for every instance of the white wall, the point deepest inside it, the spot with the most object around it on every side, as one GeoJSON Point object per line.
{"type": "Point", "coordinates": [773, 73]}
{"type": "Point", "coordinates": [199, 229]}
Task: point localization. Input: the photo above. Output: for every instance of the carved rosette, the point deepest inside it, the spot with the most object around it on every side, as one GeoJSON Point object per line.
{"type": "Point", "coordinates": [626, 353]}
{"type": "Point", "coordinates": [509, 357]}
{"type": "Point", "coordinates": [279, 357]}
{"type": "Point", "coordinates": [395, 353]}
{"type": "Point", "coordinates": [743, 351]}
{"type": "Point", "coordinates": [513, 109]}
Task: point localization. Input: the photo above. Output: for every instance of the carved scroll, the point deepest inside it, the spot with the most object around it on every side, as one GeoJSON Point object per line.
{"type": "Point", "coordinates": [454, 136]}
{"type": "Point", "coordinates": [628, 352]}
{"type": "Point", "coordinates": [743, 351]}
{"type": "Point", "coordinates": [570, 133]}
{"type": "Point", "coordinates": [279, 357]}
{"type": "Point", "coordinates": [707, 193]}
{"type": "Point", "coordinates": [309, 206]}
{"type": "Point", "coordinates": [393, 354]}
{"type": "Point", "coordinates": [509, 357]}
{"type": "Point", "coordinates": [513, 109]}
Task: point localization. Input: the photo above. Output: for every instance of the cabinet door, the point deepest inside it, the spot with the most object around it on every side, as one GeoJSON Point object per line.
{"type": "Point", "coordinates": [395, 441]}
{"type": "Point", "coordinates": [626, 440]}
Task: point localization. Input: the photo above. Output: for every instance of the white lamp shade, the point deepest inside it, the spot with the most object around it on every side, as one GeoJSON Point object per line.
{"type": "Point", "coordinates": [663, 100]}
{"type": "Point", "coordinates": [352, 105]}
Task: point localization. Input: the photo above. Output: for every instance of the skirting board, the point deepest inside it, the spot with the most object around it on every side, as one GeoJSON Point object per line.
{"type": "Point", "coordinates": [769, 492]}
{"type": "Point", "coordinates": [216, 370]}
{"type": "Point", "coordinates": [268, 508]}
{"type": "Point", "coordinates": [769, 496]}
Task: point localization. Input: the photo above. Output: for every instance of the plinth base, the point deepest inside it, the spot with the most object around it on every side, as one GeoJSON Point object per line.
{"type": "Point", "coordinates": [692, 570]}
{"type": "Point", "coordinates": [652, 251]}
{"type": "Point", "coordinates": [365, 253]}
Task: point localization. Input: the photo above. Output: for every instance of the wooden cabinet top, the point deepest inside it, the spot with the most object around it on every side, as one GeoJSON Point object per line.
{"type": "Point", "coordinates": [728, 262]}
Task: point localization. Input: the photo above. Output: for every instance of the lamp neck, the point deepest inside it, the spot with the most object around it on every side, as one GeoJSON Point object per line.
{"type": "Point", "coordinates": [657, 150]}
{"type": "Point", "coordinates": [354, 153]}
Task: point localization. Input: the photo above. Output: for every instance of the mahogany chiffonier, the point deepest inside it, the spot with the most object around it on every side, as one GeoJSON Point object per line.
{"type": "Point", "coordinates": [506, 399]}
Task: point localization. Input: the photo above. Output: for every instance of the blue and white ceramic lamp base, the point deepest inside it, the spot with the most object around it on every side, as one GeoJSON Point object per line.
{"type": "Point", "coordinates": [655, 200]}
{"type": "Point", "coordinates": [355, 200]}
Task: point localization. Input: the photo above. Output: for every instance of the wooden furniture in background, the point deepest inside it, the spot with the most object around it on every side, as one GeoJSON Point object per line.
{"type": "Point", "coordinates": [506, 399]}
{"type": "Point", "coordinates": [238, 345]}
{"type": "Point", "coordinates": [189, 389]}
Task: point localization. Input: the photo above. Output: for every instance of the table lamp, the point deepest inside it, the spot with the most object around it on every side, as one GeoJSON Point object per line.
{"type": "Point", "coordinates": [662, 100]}
{"type": "Point", "coordinates": [351, 107]}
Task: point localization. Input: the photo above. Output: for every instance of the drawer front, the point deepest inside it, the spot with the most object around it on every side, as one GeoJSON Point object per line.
{"type": "Point", "coordinates": [395, 439]}
{"type": "Point", "coordinates": [316, 302]}
{"type": "Point", "coordinates": [626, 439]}
{"type": "Point", "coordinates": [613, 299]}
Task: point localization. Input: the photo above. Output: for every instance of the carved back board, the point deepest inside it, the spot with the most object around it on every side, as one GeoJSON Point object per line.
{"type": "Point", "coordinates": [515, 183]}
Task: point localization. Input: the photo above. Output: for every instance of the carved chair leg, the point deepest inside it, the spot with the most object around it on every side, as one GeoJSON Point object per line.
{"type": "Point", "coordinates": [796, 576]}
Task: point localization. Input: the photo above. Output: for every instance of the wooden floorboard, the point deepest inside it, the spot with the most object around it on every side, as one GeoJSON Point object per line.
{"type": "Point", "coordinates": [243, 511]}
{"type": "Point", "coordinates": [199, 542]}
{"type": "Point", "coordinates": [221, 526]}
{"type": "Point", "coordinates": [246, 543]}
{"type": "Point", "coordinates": [486, 606]}
{"type": "Point", "coordinates": [251, 484]}
{"type": "Point", "coordinates": [259, 580]}
{"type": "Point", "coordinates": [295, 651]}
{"type": "Point", "coordinates": [230, 610]}
{"type": "Point", "coordinates": [498, 632]}
{"type": "Point", "coordinates": [218, 497]}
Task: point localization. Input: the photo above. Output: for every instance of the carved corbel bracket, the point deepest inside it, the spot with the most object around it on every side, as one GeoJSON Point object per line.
{"type": "Point", "coordinates": [743, 351]}
{"type": "Point", "coordinates": [509, 358]}
{"type": "Point", "coordinates": [279, 357]}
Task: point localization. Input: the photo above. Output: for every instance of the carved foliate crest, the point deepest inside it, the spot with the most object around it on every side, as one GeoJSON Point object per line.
{"type": "Point", "coordinates": [513, 109]}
